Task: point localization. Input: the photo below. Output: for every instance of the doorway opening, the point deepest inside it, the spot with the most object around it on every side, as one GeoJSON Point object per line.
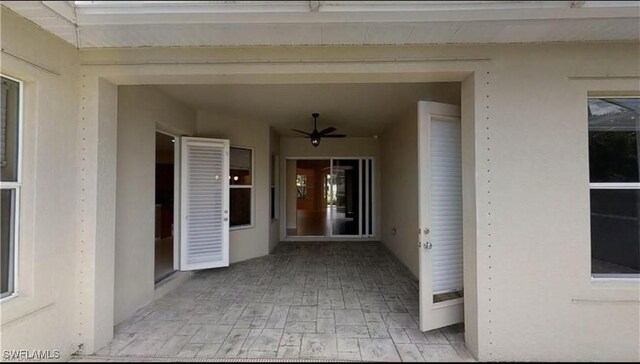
{"type": "Point", "coordinates": [164, 206]}
{"type": "Point", "coordinates": [312, 195]}
{"type": "Point", "coordinates": [330, 197]}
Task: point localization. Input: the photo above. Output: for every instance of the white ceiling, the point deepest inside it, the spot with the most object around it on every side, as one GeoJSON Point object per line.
{"type": "Point", "coordinates": [354, 109]}
{"type": "Point", "coordinates": [90, 24]}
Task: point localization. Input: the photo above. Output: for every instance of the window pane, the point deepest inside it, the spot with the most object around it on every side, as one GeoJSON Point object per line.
{"type": "Point", "coordinates": [613, 139]}
{"type": "Point", "coordinates": [615, 231]}
{"type": "Point", "coordinates": [7, 208]}
{"type": "Point", "coordinates": [346, 210]}
{"type": "Point", "coordinates": [9, 130]}
{"type": "Point", "coordinates": [273, 202]}
{"type": "Point", "coordinates": [240, 161]}
{"type": "Point", "coordinates": [240, 206]}
{"type": "Point", "coordinates": [370, 195]}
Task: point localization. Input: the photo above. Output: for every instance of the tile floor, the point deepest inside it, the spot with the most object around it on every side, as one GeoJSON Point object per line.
{"type": "Point", "coordinates": [329, 300]}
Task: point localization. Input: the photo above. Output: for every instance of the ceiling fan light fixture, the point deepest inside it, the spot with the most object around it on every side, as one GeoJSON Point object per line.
{"type": "Point", "coordinates": [315, 136]}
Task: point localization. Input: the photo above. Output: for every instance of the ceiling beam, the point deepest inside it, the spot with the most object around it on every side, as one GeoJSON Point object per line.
{"type": "Point", "coordinates": [189, 12]}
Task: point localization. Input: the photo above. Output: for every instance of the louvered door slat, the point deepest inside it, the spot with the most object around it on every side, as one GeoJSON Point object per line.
{"type": "Point", "coordinates": [205, 201]}
{"type": "Point", "coordinates": [446, 205]}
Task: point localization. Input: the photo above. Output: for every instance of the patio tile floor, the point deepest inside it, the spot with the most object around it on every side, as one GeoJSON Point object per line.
{"type": "Point", "coordinates": [310, 300]}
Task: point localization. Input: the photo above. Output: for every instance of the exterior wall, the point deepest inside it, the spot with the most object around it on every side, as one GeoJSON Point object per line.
{"type": "Point", "coordinates": [469, 213]}
{"type": "Point", "coordinates": [135, 197]}
{"type": "Point", "coordinates": [42, 315]}
{"type": "Point", "coordinates": [534, 299]}
{"type": "Point", "coordinates": [274, 225]}
{"type": "Point", "coordinates": [538, 301]}
{"type": "Point", "coordinates": [249, 242]}
{"type": "Point", "coordinates": [399, 154]}
{"type": "Point", "coordinates": [346, 147]}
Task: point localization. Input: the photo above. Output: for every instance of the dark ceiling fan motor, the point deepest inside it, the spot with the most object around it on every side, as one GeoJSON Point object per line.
{"type": "Point", "coordinates": [316, 135]}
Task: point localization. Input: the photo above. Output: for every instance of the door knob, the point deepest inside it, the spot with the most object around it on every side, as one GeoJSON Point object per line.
{"type": "Point", "coordinates": [428, 245]}
{"type": "Point", "coordinates": [226, 219]}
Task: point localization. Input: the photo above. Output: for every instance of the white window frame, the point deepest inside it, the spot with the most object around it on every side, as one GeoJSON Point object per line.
{"type": "Point", "coordinates": [17, 187]}
{"type": "Point", "coordinates": [611, 186]}
{"type": "Point", "coordinates": [251, 186]}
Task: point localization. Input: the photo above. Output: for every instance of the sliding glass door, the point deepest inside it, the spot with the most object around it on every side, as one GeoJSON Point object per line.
{"type": "Point", "coordinates": [333, 197]}
{"type": "Point", "coordinates": [345, 208]}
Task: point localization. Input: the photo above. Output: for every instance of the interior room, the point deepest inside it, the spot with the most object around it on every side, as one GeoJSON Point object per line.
{"type": "Point", "coordinates": [312, 197]}
{"type": "Point", "coordinates": [164, 208]}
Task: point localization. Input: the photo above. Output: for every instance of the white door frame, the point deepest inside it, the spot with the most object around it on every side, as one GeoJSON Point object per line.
{"type": "Point", "coordinates": [432, 315]}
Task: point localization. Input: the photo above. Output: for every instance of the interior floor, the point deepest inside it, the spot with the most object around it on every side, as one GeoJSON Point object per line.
{"type": "Point", "coordinates": [318, 223]}
{"type": "Point", "coordinates": [306, 300]}
{"type": "Point", "coordinates": [164, 258]}
{"type": "Point", "coordinates": [311, 223]}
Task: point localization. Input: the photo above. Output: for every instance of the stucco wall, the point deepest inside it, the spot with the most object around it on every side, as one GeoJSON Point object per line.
{"type": "Point", "coordinates": [141, 111]}
{"type": "Point", "coordinates": [399, 157]}
{"type": "Point", "coordinates": [43, 314]}
{"type": "Point", "coordinates": [534, 300]}
{"type": "Point", "coordinates": [246, 242]}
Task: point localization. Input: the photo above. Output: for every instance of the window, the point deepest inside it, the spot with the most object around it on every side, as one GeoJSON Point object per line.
{"type": "Point", "coordinates": [614, 149]}
{"type": "Point", "coordinates": [301, 186]}
{"type": "Point", "coordinates": [241, 186]}
{"type": "Point", "coordinates": [9, 182]}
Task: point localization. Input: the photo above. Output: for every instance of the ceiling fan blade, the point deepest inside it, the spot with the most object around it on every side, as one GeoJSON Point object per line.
{"type": "Point", "coordinates": [327, 130]}
{"type": "Point", "coordinates": [334, 136]}
{"type": "Point", "coordinates": [303, 132]}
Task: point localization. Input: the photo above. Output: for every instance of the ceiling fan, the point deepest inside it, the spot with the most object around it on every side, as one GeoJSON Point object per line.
{"type": "Point", "coordinates": [316, 135]}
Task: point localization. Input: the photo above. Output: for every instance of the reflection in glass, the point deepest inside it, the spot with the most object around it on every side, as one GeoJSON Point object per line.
{"type": "Point", "coordinates": [240, 163]}
{"type": "Point", "coordinates": [9, 105]}
{"type": "Point", "coordinates": [370, 195]}
{"type": "Point", "coordinates": [240, 206]}
{"type": "Point", "coordinates": [613, 139]}
{"type": "Point", "coordinates": [615, 231]}
{"type": "Point", "coordinates": [7, 208]}
{"type": "Point", "coordinates": [346, 208]}
{"type": "Point", "coordinates": [301, 186]}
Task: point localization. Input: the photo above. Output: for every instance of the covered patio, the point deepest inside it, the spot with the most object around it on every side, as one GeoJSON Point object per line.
{"type": "Point", "coordinates": [311, 300]}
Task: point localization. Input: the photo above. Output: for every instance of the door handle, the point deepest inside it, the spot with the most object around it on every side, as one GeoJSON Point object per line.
{"type": "Point", "coordinates": [428, 245]}
{"type": "Point", "coordinates": [226, 219]}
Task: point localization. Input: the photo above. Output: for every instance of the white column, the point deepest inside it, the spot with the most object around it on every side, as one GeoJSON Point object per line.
{"type": "Point", "coordinates": [96, 223]}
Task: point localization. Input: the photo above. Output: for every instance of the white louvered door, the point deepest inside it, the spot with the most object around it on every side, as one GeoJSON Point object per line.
{"type": "Point", "coordinates": [440, 210]}
{"type": "Point", "coordinates": [204, 203]}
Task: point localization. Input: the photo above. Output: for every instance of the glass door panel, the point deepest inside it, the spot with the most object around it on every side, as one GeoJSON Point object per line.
{"type": "Point", "coordinates": [345, 210]}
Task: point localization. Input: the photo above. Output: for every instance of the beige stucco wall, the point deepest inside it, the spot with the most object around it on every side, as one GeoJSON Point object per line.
{"type": "Point", "coordinates": [399, 157]}
{"type": "Point", "coordinates": [246, 242]}
{"type": "Point", "coordinates": [329, 148]}
{"type": "Point", "coordinates": [534, 299]}
{"type": "Point", "coordinates": [43, 314]}
{"type": "Point", "coordinates": [141, 111]}
{"type": "Point", "coordinates": [399, 187]}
